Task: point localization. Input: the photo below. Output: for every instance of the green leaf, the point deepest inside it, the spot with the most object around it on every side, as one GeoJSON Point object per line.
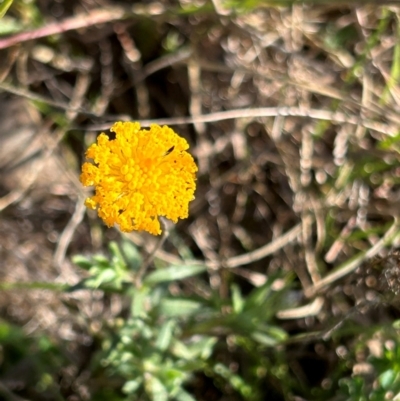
{"type": "Point", "coordinates": [9, 25]}
{"type": "Point", "coordinates": [138, 302]}
{"type": "Point", "coordinates": [182, 395]}
{"type": "Point", "coordinates": [274, 331]}
{"type": "Point", "coordinates": [387, 379]}
{"type": "Point", "coordinates": [237, 299]}
{"type": "Point", "coordinates": [389, 141]}
{"type": "Point", "coordinates": [173, 379]}
{"type": "Point", "coordinates": [165, 335]}
{"type": "Point", "coordinates": [235, 380]}
{"type": "Point", "coordinates": [198, 350]}
{"type": "Point", "coordinates": [157, 389]}
{"type": "Point", "coordinates": [131, 386]}
{"type": "Point", "coordinates": [106, 276]}
{"type": "Point", "coordinates": [9, 333]}
{"type": "Point", "coordinates": [203, 347]}
{"type": "Point", "coordinates": [263, 302]}
{"type": "Point", "coordinates": [179, 307]}
{"type": "Point", "coordinates": [117, 257]}
{"type": "Point", "coordinates": [173, 273]}
{"type": "Point", "coordinates": [101, 261]}
{"type": "Point", "coordinates": [4, 6]}
{"type": "Point", "coordinates": [264, 338]}
{"type": "Point", "coordinates": [132, 255]}
{"type": "Point", "coordinates": [82, 262]}
{"type": "Point", "coordinates": [258, 296]}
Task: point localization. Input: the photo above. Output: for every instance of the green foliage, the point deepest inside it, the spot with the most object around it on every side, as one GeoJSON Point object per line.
{"type": "Point", "coordinates": [164, 340]}
{"type": "Point", "coordinates": [174, 328]}
{"type": "Point", "coordinates": [4, 6]}
{"type": "Point", "coordinates": [9, 26]}
{"type": "Point", "coordinates": [31, 361]}
{"type": "Point", "coordinates": [175, 272]}
{"type": "Point", "coordinates": [108, 274]}
{"type": "Point", "coordinates": [382, 380]}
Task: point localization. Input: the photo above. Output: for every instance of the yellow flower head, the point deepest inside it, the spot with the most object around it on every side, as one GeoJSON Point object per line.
{"type": "Point", "coordinates": [139, 176]}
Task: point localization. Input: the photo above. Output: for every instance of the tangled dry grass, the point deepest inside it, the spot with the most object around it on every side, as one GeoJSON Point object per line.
{"type": "Point", "coordinates": [292, 114]}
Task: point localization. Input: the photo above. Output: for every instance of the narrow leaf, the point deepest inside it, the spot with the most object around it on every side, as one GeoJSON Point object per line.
{"type": "Point", "coordinates": [157, 389]}
{"type": "Point", "coordinates": [131, 386]}
{"type": "Point", "coordinates": [237, 299]}
{"type": "Point", "coordinates": [4, 6]}
{"type": "Point", "coordinates": [179, 307]}
{"type": "Point", "coordinates": [82, 262]}
{"type": "Point", "coordinates": [132, 255]}
{"type": "Point", "coordinates": [165, 335]}
{"type": "Point", "coordinates": [182, 395]}
{"type": "Point", "coordinates": [173, 273]}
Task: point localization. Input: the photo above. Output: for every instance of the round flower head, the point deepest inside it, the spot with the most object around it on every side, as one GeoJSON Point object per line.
{"type": "Point", "coordinates": [139, 176]}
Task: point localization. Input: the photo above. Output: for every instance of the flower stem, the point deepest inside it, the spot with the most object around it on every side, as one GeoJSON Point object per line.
{"type": "Point", "coordinates": [150, 257]}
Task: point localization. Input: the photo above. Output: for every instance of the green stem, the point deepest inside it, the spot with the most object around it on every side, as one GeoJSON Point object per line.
{"type": "Point", "coordinates": [146, 263]}
{"type": "Point", "coordinates": [33, 285]}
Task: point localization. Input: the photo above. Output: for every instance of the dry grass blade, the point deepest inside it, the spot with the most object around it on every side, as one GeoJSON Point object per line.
{"type": "Point", "coordinates": [348, 267]}
{"type": "Point", "coordinates": [325, 115]}
{"type": "Point", "coordinates": [80, 21]}
{"type": "Point", "coordinates": [291, 113]}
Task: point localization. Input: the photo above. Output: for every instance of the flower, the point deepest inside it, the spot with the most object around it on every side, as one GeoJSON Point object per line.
{"type": "Point", "coordinates": [139, 176]}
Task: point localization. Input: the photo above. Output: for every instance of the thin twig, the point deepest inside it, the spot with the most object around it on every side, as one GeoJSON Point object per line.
{"type": "Point", "coordinates": [163, 62]}
{"type": "Point", "coordinates": [68, 232]}
{"type": "Point", "coordinates": [310, 256]}
{"type": "Point", "coordinates": [8, 394]}
{"type": "Point", "coordinates": [233, 262]}
{"type": "Point", "coordinates": [98, 16]}
{"type": "Point", "coordinates": [265, 250]}
{"type": "Point", "coordinates": [311, 309]}
{"type": "Point", "coordinates": [351, 265]}
{"type": "Point", "coordinates": [146, 263]}
{"type": "Point", "coordinates": [50, 144]}
{"type": "Point", "coordinates": [316, 114]}
{"type": "Point", "coordinates": [20, 91]}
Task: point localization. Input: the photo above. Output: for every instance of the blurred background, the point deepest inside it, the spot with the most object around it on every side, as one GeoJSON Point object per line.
{"type": "Point", "coordinates": [283, 282]}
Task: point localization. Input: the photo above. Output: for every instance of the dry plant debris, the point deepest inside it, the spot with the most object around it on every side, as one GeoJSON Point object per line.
{"type": "Point", "coordinates": [292, 114]}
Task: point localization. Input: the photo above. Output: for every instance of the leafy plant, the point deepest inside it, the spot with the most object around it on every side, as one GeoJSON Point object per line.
{"type": "Point", "coordinates": [155, 350]}
{"type": "Point", "coordinates": [381, 377]}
